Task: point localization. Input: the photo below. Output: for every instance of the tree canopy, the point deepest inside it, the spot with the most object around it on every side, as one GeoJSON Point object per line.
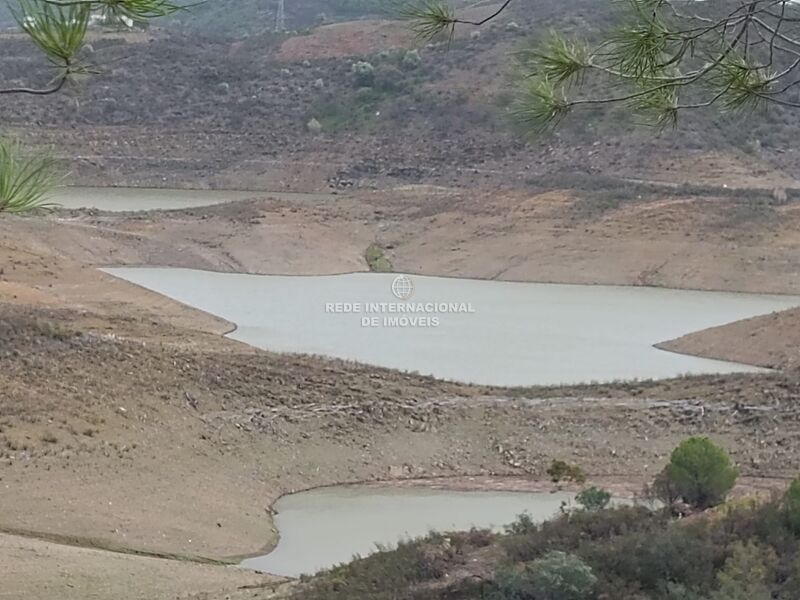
{"type": "Point", "coordinates": [59, 28]}
{"type": "Point", "coordinates": [666, 56]}
{"type": "Point", "coordinates": [701, 472]}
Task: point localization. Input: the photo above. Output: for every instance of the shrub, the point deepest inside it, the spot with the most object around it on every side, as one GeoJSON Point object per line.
{"type": "Point", "coordinates": [560, 470]}
{"type": "Point", "coordinates": [745, 574]}
{"type": "Point", "coordinates": [411, 60]}
{"type": "Point", "coordinates": [648, 559]}
{"type": "Point", "coordinates": [511, 584]}
{"type": "Point", "coordinates": [389, 78]}
{"type": "Point", "coordinates": [477, 538]}
{"type": "Point", "coordinates": [701, 472]}
{"type": "Point", "coordinates": [791, 589]}
{"type": "Point", "coordinates": [363, 74]}
{"type": "Point", "coordinates": [376, 259]}
{"type": "Point", "coordinates": [791, 505]}
{"type": "Point", "coordinates": [593, 498]}
{"type": "Point", "coordinates": [523, 525]}
{"type": "Point", "coordinates": [569, 531]}
{"type": "Point", "coordinates": [555, 576]}
{"type": "Point", "coordinates": [678, 591]}
{"type": "Point", "coordinates": [661, 490]}
{"type": "Point", "coordinates": [379, 575]}
{"type": "Point", "coordinates": [561, 576]}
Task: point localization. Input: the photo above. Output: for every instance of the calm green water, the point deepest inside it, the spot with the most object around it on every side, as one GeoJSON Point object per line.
{"type": "Point", "coordinates": [509, 333]}
{"type": "Point", "coordinates": [325, 527]}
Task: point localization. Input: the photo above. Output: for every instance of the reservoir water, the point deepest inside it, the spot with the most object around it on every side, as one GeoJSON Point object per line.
{"type": "Point", "coordinates": [324, 527]}
{"type": "Point", "coordinates": [128, 199]}
{"type": "Point", "coordinates": [136, 199]}
{"type": "Point", "coordinates": [486, 332]}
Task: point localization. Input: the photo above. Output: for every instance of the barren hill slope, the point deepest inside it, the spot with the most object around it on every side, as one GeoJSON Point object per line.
{"type": "Point", "coordinates": [187, 106]}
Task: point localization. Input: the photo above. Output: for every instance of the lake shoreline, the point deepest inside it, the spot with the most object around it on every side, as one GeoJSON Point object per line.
{"type": "Point", "coordinates": [628, 488]}
{"type": "Point", "coordinates": [247, 426]}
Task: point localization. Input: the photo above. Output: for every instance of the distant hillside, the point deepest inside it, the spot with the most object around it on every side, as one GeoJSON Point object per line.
{"type": "Point", "coordinates": [436, 114]}
{"type": "Point", "coordinates": [254, 16]}
{"type": "Point", "coordinates": [6, 18]}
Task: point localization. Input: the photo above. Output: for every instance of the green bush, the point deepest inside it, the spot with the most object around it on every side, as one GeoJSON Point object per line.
{"type": "Point", "coordinates": [411, 60]}
{"type": "Point", "coordinates": [526, 541]}
{"type": "Point", "coordinates": [379, 575]}
{"type": "Point", "coordinates": [390, 79]}
{"type": "Point", "coordinates": [376, 259]}
{"type": "Point", "coordinates": [363, 74]}
{"type": "Point", "coordinates": [593, 498]}
{"type": "Point", "coordinates": [524, 524]}
{"type": "Point", "coordinates": [647, 559]}
{"type": "Point", "coordinates": [560, 470]}
{"type": "Point", "coordinates": [678, 591]}
{"type": "Point", "coordinates": [555, 576]}
{"type": "Point", "coordinates": [791, 504]}
{"type": "Point", "coordinates": [745, 574]}
{"type": "Point", "coordinates": [701, 472]}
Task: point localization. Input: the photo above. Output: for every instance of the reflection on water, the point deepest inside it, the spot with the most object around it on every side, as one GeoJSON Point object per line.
{"type": "Point", "coordinates": [486, 332]}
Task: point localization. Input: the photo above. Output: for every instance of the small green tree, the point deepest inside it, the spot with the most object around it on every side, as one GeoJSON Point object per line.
{"type": "Point", "coordinates": [560, 470]}
{"type": "Point", "coordinates": [555, 576]}
{"type": "Point", "coordinates": [700, 472]}
{"type": "Point", "coordinates": [593, 498]}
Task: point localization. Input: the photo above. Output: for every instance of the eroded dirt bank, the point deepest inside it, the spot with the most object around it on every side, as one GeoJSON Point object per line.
{"type": "Point", "coordinates": [127, 422]}
{"type": "Point", "coordinates": [629, 237]}
{"type": "Point", "coordinates": [728, 241]}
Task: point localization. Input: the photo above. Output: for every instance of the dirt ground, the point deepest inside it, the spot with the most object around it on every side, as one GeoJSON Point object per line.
{"type": "Point", "coordinates": [769, 341]}
{"type": "Point", "coordinates": [129, 427]}
{"type": "Point", "coordinates": [665, 239]}
{"type": "Point", "coordinates": [34, 568]}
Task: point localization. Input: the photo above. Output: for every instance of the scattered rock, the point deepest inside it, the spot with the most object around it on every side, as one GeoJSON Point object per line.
{"type": "Point", "coordinates": [314, 126]}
